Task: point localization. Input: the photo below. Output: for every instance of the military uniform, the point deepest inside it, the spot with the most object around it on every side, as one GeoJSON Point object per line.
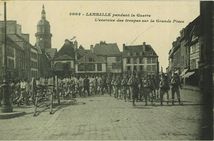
{"type": "Point", "coordinates": [147, 89]}
{"type": "Point", "coordinates": [135, 89]}
{"type": "Point", "coordinates": [164, 88]}
{"type": "Point", "coordinates": [176, 84]}
{"type": "Point", "coordinates": [124, 87]}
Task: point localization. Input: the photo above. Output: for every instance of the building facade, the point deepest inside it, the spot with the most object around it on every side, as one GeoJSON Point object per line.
{"type": "Point", "coordinates": [21, 63]}
{"type": "Point", "coordinates": [112, 55]}
{"type": "Point", "coordinates": [140, 59]}
{"type": "Point", "coordinates": [64, 60]}
{"type": "Point", "coordinates": [184, 54]}
{"type": "Point", "coordinates": [90, 63]}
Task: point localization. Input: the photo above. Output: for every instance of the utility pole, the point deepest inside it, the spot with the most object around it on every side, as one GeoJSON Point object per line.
{"type": "Point", "coordinates": [6, 101]}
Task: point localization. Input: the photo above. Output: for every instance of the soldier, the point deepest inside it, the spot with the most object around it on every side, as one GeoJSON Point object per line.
{"type": "Point", "coordinates": [108, 81]}
{"type": "Point", "coordinates": [81, 86]}
{"type": "Point", "coordinates": [124, 87]}
{"type": "Point", "coordinates": [157, 82]}
{"type": "Point", "coordinates": [153, 88]}
{"type": "Point", "coordinates": [141, 89]}
{"type": "Point", "coordinates": [164, 88]}
{"type": "Point", "coordinates": [134, 88]}
{"type": "Point", "coordinates": [129, 83]}
{"type": "Point", "coordinates": [176, 84]}
{"type": "Point", "coordinates": [99, 82]}
{"type": "Point", "coordinates": [112, 85]}
{"type": "Point", "coordinates": [86, 85]}
{"type": "Point", "coordinates": [116, 86]}
{"type": "Point", "coordinates": [103, 85]}
{"type": "Point", "coordinates": [147, 88]}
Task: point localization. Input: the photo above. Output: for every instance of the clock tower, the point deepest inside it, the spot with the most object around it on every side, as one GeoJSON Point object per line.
{"type": "Point", "coordinates": [43, 35]}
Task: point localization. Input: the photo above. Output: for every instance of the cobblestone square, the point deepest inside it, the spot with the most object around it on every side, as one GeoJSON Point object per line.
{"type": "Point", "coordinates": [104, 117]}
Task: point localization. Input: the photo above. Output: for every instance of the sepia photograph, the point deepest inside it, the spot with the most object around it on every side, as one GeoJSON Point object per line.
{"type": "Point", "coordinates": [106, 70]}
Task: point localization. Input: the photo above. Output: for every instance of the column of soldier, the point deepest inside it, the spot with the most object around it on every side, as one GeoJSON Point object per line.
{"type": "Point", "coordinates": [128, 87]}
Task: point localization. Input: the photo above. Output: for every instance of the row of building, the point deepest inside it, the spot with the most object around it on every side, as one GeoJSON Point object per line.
{"type": "Point", "coordinates": [184, 55]}
{"type": "Point", "coordinates": [25, 60]}
{"type": "Point", "coordinates": [191, 53]}
{"type": "Point", "coordinates": [105, 58]}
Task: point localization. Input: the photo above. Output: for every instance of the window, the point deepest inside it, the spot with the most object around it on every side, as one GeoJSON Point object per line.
{"type": "Point", "coordinates": [10, 63]}
{"type": "Point", "coordinates": [141, 68]}
{"type": "Point", "coordinates": [99, 67]}
{"type": "Point", "coordinates": [153, 60]}
{"type": "Point", "coordinates": [149, 60]}
{"type": "Point", "coordinates": [116, 65]}
{"type": "Point", "coordinates": [134, 60]}
{"type": "Point", "coordinates": [90, 67]}
{"type": "Point", "coordinates": [128, 61]}
{"type": "Point", "coordinates": [135, 68]}
{"type": "Point", "coordinates": [81, 67]}
{"type": "Point", "coordinates": [141, 60]}
{"type": "Point", "coordinates": [137, 53]}
{"type": "Point", "coordinates": [149, 68]}
{"type": "Point", "coordinates": [128, 68]}
{"type": "Point", "coordinates": [154, 68]}
{"type": "Point", "coordinates": [118, 59]}
{"type": "Point", "coordinates": [91, 59]}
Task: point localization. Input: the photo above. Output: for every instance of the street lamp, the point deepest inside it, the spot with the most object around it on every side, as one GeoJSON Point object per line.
{"type": "Point", "coordinates": [6, 101]}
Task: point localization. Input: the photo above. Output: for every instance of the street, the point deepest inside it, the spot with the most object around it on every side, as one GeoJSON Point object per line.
{"type": "Point", "coordinates": [106, 118]}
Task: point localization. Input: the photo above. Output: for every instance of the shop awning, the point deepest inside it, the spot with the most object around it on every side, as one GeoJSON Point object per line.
{"type": "Point", "coordinates": [183, 72]}
{"type": "Point", "coordinates": [188, 74]}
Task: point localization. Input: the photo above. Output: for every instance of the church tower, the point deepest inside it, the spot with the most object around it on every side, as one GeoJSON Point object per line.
{"type": "Point", "coordinates": [43, 35]}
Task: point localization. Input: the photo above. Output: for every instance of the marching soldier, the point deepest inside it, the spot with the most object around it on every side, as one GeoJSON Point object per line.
{"type": "Point", "coordinates": [176, 85]}
{"type": "Point", "coordinates": [147, 89]}
{"type": "Point", "coordinates": [112, 85]}
{"type": "Point", "coordinates": [129, 83]}
{"type": "Point", "coordinates": [108, 81]}
{"type": "Point", "coordinates": [117, 85]}
{"type": "Point", "coordinates": [134, 88]}
{"type": "Point", "coordinates": [164, 88]}
{"type": "Point", "coordinates": [124, 87]}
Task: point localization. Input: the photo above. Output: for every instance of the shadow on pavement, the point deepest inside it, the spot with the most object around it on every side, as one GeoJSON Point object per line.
{"type": "Point", "coordinates": [66, 104]}
{"type": "Point", "coordinates": [150, 106]}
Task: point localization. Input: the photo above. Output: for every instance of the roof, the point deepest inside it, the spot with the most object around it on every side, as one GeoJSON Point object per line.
{"type": "Point", "coordinates": [51, 52]}
{"type": "Point", "coordinates": [91, 58]}
{"type": "Point", "coordinates": [106, 49]}
{"type": "Point", "coordinates": [82, 52]}
{"type": "Point", "coordinates": [66, 50]}
{"type": "Point", "coordinates": [140, 50]}
{"type": "Point", "coordinates": [17, 40]}
{"type": "Point", "coordinates": [63, 57]}
{"type": "Point", "coordinates": [43, 22]}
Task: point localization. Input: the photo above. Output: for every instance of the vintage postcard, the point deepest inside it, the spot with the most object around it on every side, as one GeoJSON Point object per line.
{"type": "Point", "coordinates": [106, 70]}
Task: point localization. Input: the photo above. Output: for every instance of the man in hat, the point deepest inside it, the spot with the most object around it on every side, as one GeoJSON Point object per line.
{"type": "Point", "coordinates": [135, 88]}
{"type": "Point", "coordinates": [176, 85]}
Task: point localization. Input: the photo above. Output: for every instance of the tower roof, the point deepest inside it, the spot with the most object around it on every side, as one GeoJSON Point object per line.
{"type": "Point", "coordinates": [43, 20]}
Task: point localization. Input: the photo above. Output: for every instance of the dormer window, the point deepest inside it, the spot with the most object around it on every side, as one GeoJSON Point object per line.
{"type": "Point", "coordinates": [91, 59]}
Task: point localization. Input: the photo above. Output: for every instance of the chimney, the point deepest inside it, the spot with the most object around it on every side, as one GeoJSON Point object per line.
{"type": "Point", "coordinates": [124, 46]}
{"type": "Point", "coordinates": [75, 44]}
{"type": "Point", "coordinates": [92, 48]}
{"type": "Point", "coordinates": [144, 46]}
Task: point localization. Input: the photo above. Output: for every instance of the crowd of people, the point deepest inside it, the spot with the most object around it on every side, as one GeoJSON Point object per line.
{"type": "Point", "coordinates": [127, 87]}
{"type": "Point", "coordinates": [148, 88]}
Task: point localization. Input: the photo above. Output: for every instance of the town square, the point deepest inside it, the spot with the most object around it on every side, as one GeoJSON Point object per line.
{"type": "Point", "coordinates": [70, 71]}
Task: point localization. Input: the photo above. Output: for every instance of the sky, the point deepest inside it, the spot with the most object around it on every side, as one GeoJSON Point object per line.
{"type": "Point", "coordinates": [89, 32]}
